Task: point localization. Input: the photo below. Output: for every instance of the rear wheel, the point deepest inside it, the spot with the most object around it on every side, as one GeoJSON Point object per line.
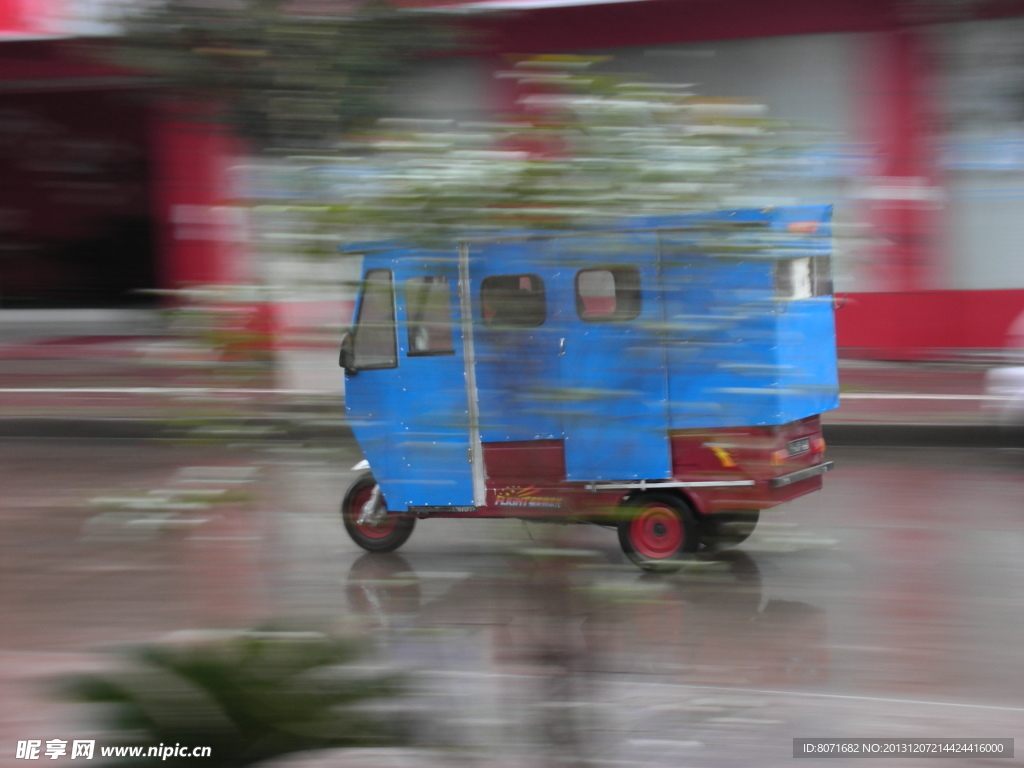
{"type": "Point", "coordinates": [377, 530]}
{"type": "Point", "coordinates": [658, 531]}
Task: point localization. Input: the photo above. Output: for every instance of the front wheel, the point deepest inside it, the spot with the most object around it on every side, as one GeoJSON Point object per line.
{"type": "Point", "coordinates": [377, 531]}
{"type": "Point", "coordinates": [658, 531]}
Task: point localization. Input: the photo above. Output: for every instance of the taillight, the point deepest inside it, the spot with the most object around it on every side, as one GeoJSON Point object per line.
{"type": "Point", "coordinates": [798, 447]}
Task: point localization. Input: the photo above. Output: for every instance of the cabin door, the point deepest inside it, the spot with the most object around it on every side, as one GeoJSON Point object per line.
{"type": "Point", "coordinates": [407, 403]}
{"type": "Point", "coordinates": [612, 353]}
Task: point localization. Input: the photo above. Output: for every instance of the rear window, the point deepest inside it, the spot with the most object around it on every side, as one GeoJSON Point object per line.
{"type": "Point", "coordinates": [803, 278]}
{"type": "Point", "coordinates": [608, 293]}
{"type": "Point", "coordinates": [513, 301]}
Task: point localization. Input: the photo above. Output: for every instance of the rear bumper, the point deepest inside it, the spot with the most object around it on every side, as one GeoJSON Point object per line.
{"type": "Point", "coordinates": [802, 474]}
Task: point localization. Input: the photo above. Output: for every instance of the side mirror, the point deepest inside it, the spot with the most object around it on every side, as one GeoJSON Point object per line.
{"type": "Point", "coordinates": [346, 357]}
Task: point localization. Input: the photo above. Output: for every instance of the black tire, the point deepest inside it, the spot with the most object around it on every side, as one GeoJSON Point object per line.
{"type": "Point", "coordinates": [658, 531]}
{"type": "Point", "coordinates": [728, 529]}
{"type": "Point", "coordinates": [386, 537]}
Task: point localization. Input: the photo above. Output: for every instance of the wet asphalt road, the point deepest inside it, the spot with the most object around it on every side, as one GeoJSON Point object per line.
{"type": "Point", "coordinates": [889, 605]}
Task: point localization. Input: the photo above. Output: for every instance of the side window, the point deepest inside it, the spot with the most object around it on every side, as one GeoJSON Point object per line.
{"type": "Point", "coordinates": [821, 277]}
{"type": "Point", "coordinates": [513, 301]}
{"type": "Point", "coordinates": [803, 278]}
{"type": "Point", "coordinates": [374, 344]}
{"type": "Point", "coordinates": [608, 293]}
{"type": "Point", "coordinates": [428, 316]}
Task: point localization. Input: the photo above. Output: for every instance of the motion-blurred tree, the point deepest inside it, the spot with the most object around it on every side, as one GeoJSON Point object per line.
{"type": "Point", "coordinates": [287, 74]}
{"type": "Point", "coordinates": [586, 148]}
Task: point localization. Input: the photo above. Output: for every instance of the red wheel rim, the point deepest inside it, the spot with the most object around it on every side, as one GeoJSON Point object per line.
{"type": "Point", "coordinates": [379, 531]}
{"type": "Point", "coordinates": [657, 532]}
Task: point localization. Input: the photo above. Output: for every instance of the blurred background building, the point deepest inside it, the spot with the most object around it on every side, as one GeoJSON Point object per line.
{"type": "Point", "coordinates": [916, 108]}
{"type": "Point", "coordinates": [104, 193]}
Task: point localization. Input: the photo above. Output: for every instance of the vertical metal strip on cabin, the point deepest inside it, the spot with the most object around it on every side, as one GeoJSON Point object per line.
{"type": "Point", "coordinates": [476, 455]}
{"type": "Point", "coordinates": [665, 333]}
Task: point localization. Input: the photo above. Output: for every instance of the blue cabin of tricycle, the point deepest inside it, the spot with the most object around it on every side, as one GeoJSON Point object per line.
{"type": "Point", "coordinates": [603, 341]}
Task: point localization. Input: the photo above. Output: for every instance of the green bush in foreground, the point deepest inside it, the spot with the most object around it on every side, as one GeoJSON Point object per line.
{"type": "Point", "coordinates": [249, 696]}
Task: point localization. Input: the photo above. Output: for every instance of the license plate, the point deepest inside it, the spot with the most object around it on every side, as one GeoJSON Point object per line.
{"type": "Point", "coordinates": [796, 447]}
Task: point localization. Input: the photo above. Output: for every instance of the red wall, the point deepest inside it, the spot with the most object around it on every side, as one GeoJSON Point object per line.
{"type": "Point", "coordinates": [30, 17]}
{"type": "Point", "coordinates": [920, 324]}
{"type": "Point", "coordinates": [897, 119]}
{"type": "Point", "coordinates": [656, 22]}
{"type": "Point", "coordinates": [159, 164]}
{"type": "Point", "coordinates": [192, 201]}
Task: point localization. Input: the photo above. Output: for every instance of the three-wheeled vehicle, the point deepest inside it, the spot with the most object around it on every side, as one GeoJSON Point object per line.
{"type": "Point", "coordinates": [664, 377]}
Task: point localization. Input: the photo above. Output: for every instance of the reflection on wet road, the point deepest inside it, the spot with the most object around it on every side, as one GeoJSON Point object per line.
{"type": "Point", "coordinates": [890, 605]}
{"type": "Point", "coordinates": [562, 648]}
